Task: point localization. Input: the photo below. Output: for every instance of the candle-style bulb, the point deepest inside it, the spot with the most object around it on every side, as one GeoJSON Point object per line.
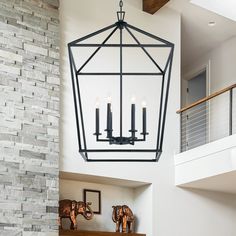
{"type": "Point", "coordinates": [109, 99]}
{"type": "Point", "coordinates": [97, 103]}
{"type": "Point", "coordinates": [144, 104]}
{"type": "Point", "coordinates": [133, 99]}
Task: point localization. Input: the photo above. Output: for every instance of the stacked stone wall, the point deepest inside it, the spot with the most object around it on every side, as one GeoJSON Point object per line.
{"type": "Point", "coordinates": [29, 117]}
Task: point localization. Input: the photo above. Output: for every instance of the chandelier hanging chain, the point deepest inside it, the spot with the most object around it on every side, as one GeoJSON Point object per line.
{"type": "Point", "coordinates": [121, 5]}
{"type": "Point", "coordinates": [121, 13]}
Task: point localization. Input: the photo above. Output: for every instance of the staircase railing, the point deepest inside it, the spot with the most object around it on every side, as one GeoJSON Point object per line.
{"type": "Point", "coordinates": [209, 119]}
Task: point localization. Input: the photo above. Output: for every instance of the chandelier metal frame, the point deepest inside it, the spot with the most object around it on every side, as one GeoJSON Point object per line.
{"type": "Point", "coordinates": [163, 73]}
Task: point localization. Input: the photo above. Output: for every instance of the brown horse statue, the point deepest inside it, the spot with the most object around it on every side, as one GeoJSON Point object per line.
{"type": "Point", "coordinates": [71, 208]}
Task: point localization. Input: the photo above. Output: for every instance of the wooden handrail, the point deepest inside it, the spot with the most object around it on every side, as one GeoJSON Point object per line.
{"type": "Point", "coordinates": [206, 98]}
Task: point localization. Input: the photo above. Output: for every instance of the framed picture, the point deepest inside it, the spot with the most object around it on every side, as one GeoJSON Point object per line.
{"type": "Point", "coordinates": [93, 196]}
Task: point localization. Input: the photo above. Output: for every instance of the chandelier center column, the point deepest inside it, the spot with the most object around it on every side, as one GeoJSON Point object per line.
{"type": "Point", "coordinates": [121, 79]}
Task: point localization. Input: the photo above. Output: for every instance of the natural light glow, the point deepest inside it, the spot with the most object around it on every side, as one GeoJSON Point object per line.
{"type": "Point", "coordinates": [225, 8]}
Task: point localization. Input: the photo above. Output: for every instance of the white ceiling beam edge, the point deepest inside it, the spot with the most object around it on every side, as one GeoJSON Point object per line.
{"type": "Point", "coordinates": [223, 8]}
{"type": "Point", "coordinates": [101, 180]}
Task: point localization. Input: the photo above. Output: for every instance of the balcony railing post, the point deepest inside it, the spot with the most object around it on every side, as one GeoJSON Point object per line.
{"type": "Point", "coordinates": [230, 111]}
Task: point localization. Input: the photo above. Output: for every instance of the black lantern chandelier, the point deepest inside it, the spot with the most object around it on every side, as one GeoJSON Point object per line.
{"type": "Point", "coordinates": [161, 73]}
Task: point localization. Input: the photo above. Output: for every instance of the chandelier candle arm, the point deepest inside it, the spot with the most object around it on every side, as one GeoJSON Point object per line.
{"type": "Point", "coordinates": [132, 123]}
{"type": "Point", "coordinates": [144, 113]}
{"type": "Point", "coordinates": [110, 124]}
{"type": "Point", "coordinates": [109, 121]}
{"type": "Point", "coordinates": [97, 121]}
{"type": "Point", "coordinates": [144, 121]}
{"type": "Point", "coordinates": [132, 117]}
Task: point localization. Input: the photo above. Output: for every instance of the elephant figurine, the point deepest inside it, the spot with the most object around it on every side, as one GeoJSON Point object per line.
{"type": "Point", "coordinates": [124, 218]}
{"type": "Point", "coordinates": [71, 208]}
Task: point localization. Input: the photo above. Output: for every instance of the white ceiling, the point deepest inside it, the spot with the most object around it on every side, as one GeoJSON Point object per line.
{"type": "Point", "coordinates": [225, 8]}
{"type": "Point", "coordinates": [197, 37]}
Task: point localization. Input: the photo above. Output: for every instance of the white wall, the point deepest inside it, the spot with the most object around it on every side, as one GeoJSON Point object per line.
{"type": "Point", "coordinates": [143, 209]}
{"type": "Point", "coordinates": [222, 71]}
{"type": "Point", "coordinates": [222, 65]}
{"type": "Point", "coordinates": [174, 211]}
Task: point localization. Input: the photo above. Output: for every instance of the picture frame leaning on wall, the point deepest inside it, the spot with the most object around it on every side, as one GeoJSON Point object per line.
{"type": "Point", "coordinates": [93, 196]}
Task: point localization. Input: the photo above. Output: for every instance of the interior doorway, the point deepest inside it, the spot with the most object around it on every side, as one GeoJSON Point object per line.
{"type": "Point", "coordinates": [196, 88]}
{"type": "Point", "coordinates": [196, 117]}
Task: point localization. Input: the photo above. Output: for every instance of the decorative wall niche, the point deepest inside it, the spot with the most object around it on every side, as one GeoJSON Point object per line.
{"type": "Point", "coordinates": [137, 195]}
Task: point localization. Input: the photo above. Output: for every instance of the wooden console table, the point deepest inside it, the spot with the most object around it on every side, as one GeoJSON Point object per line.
{"type": "Point", "coordinates": [94, 233]}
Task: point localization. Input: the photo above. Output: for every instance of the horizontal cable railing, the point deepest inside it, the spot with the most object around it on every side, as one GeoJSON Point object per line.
{"type": "Point", "coordinates": [209, 119]}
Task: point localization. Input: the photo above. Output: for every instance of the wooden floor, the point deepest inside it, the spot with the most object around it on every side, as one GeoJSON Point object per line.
{"type": "Point", "coordinates": [94, 233]}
